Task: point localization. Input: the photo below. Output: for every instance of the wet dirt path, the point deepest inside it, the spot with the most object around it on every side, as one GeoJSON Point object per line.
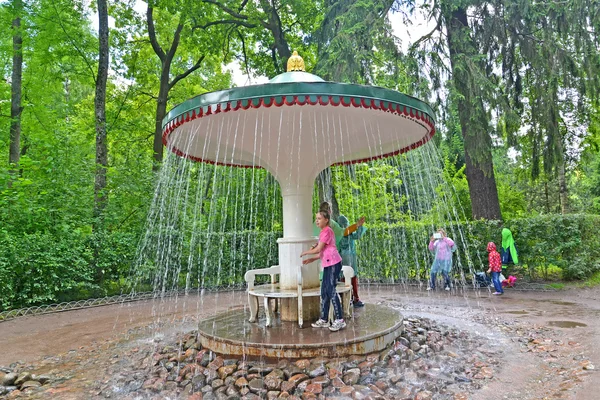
{"type": "Point", "coordinates": [549, 336]}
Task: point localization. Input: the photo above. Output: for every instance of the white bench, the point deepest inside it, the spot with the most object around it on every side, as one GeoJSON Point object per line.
{"type": "Point", "coordinates": [271, 292]}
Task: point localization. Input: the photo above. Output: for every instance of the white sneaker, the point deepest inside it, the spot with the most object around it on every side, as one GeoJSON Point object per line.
{"type": "Point", "coordinates": [320, 324]}
{"type": "Point", "coordinates": [337, 325]}
{"type": "Point", "coordinates": [429, 288]}
{"type": "Point", "coordinates": [447, 288]}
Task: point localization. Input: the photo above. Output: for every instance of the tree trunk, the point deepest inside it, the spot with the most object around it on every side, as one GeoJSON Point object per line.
{"type": "Point", "coordinates": [161, 110]}
{"type": "Point", "coordinates": [280, 44]}
{"type": "Point", "coordinates": [327, 192]}
{"type": "Point", "coordinates": [547, 195]}
{"type": "Point", "coordinates": [473, 119]}
{"type": "Point", "coordinates": [16, 87]}
{"type": "Point", "coordinates": [100, 197]}
{"type": "Point", "coordinates": [323, 185]}
{"type": "Point", "coordinates": [166, 84]}
{"type": "Point", "coordinates": [482, 190]}
{"type": "Point", "coordinates": [335, 207]}
{"type": "Point", "coordinates": [562, 181]}
{"type": "Point", "coordinates": [563, 193]}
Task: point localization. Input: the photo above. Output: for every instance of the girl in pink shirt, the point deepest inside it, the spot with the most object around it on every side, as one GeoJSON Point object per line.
{"type": "Point", "coordinates": [330, 261]}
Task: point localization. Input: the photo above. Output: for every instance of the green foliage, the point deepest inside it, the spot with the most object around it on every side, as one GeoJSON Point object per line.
{"type": "Point", "coordinates": [47, 268]}
{"type": "Point", "coordinates": [399, 253]}
{"type": "Point", "coordinates": [556, 286]}
{"type": "Point", "coordinates": [592, 281]}
{"type": "Point", "coordinates": [457, 187]}
{"type": "Point", "coordinates": [512, 193]}
{"type": "Point", "coordinates": [355, 44]}
{"type": "Point", "coordinates": [564, 241]}
{"type": "Point", "coordinates": [36, 268]}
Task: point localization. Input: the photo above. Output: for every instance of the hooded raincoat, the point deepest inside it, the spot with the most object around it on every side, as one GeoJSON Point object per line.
{"type": "Point", "coordinates": [508, 252]}
{"type": "Point", "coordinates": [347, 247]}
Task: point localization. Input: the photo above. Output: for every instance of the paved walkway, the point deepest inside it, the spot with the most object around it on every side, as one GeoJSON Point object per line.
{"type": "Point", "coordinates": [570, 317]}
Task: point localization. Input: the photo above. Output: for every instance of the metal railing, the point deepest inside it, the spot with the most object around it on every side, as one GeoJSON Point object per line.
{"type": "Point", "coordinates": [81, 304]}
{"type": "Point", "coordinates": [125, 298]}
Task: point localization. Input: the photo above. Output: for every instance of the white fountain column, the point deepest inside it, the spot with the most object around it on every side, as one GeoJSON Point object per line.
{"type": "Point", "coordinates": [298, 236]}
{"type": "Point", "coordinates": [298, 220]}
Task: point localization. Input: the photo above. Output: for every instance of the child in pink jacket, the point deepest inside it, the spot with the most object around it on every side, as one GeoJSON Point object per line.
{"type": "Point", "coordinates": [495, 267]}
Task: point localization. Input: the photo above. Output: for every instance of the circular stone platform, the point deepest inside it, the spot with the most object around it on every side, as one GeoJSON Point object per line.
{"type": "Point", "coordinates": [371, 329]}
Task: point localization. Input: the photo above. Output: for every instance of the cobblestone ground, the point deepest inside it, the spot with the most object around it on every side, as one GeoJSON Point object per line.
{"type": "Point", "coordinates": [523, 345]}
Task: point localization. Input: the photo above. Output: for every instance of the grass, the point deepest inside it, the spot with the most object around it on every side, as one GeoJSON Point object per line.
{"type": "Point", "coordinates": [556, 285]}
{"type": "Point", "coordinates": [592, 281]}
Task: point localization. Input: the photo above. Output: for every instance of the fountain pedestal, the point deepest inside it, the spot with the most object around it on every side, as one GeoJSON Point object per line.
{"type": "Point", "coordinates": [290, 262]}
{"type": "Point", "coordinates": [297, 237]}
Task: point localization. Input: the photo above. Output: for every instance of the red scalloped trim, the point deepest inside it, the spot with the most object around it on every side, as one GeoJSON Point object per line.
{"type": "Point", "coordinates": [303, 101]}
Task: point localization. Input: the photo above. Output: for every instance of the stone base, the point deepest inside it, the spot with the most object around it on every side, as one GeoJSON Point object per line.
{"type": "Point", "coordinates": [371, 329]}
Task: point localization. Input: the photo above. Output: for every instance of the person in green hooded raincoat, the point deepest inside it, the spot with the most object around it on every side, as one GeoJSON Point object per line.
{"type": "Point", "coordinates": [347, 249]}
{"type": "Point", "coordinates": [337, 229]}
{"type": "Point", "coordinates": [508, 251]}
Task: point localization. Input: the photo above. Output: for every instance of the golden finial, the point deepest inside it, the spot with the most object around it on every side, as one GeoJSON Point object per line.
{"type": "Point", "coordinates": [295, 63]}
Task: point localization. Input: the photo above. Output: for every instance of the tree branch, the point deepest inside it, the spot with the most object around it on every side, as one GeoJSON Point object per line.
{"type": "Point", "coordinates": [223, 22]}
{"type": "Point", "coordinates": [242, 5]}
{"type": "Point", "coordinates": [235, 14]}
{"type": "Point", "coordinates": [150, 95]}
{"type": "Point", "coordinates": [427, 36]}
{"type": "Point", "coordinates": [245, 53]}
{"type": "Point", "coordinates": [74, 44]}
{"type": "Point", "coordinates": [175, 43]}
{"type": "Point", "coordinates": [152, 34]}
{"type": "Point", "coordinates": [186, 73]}
{"type": "Point", "coordinates": [227, 9]}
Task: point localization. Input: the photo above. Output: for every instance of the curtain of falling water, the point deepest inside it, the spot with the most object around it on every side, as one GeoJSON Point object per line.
{"type": "Point", "coordinates": [405, 199]}
{"type": "Point", "coordinates": [209, 224]}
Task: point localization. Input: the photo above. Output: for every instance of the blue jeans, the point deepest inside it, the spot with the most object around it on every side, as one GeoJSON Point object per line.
{"type": "Point", "coordinates": [496, 282]}
{"type": "Point", "coordinates": [328, 292]}
{"type": "Point", "coordinates": [446, 279]}
{"type": "Point", "coordinates": [338, 271]}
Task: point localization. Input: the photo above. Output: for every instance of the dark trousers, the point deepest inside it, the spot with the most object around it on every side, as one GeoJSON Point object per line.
{"type": "Point", "coordinates": [328, 292]}
{"type": "Point", "coordinates": [355, 289]}
{"type": "Point", "coordinates": [446, 279]}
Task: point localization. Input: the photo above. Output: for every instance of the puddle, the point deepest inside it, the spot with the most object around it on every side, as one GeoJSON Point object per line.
{"type": "Point", "coordinates": [566, 324]}
{"type": "Point", "coordinates": [562, 303]}
{"type": "Point", "coordinates": [523, 312]}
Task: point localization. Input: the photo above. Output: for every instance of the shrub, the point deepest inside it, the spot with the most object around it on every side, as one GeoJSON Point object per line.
{"type": "Point", "coordinates": [43, 268]}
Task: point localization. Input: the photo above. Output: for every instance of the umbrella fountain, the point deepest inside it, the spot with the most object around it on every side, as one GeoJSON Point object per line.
{"type": "Point", "coordinates": [295, 126]}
